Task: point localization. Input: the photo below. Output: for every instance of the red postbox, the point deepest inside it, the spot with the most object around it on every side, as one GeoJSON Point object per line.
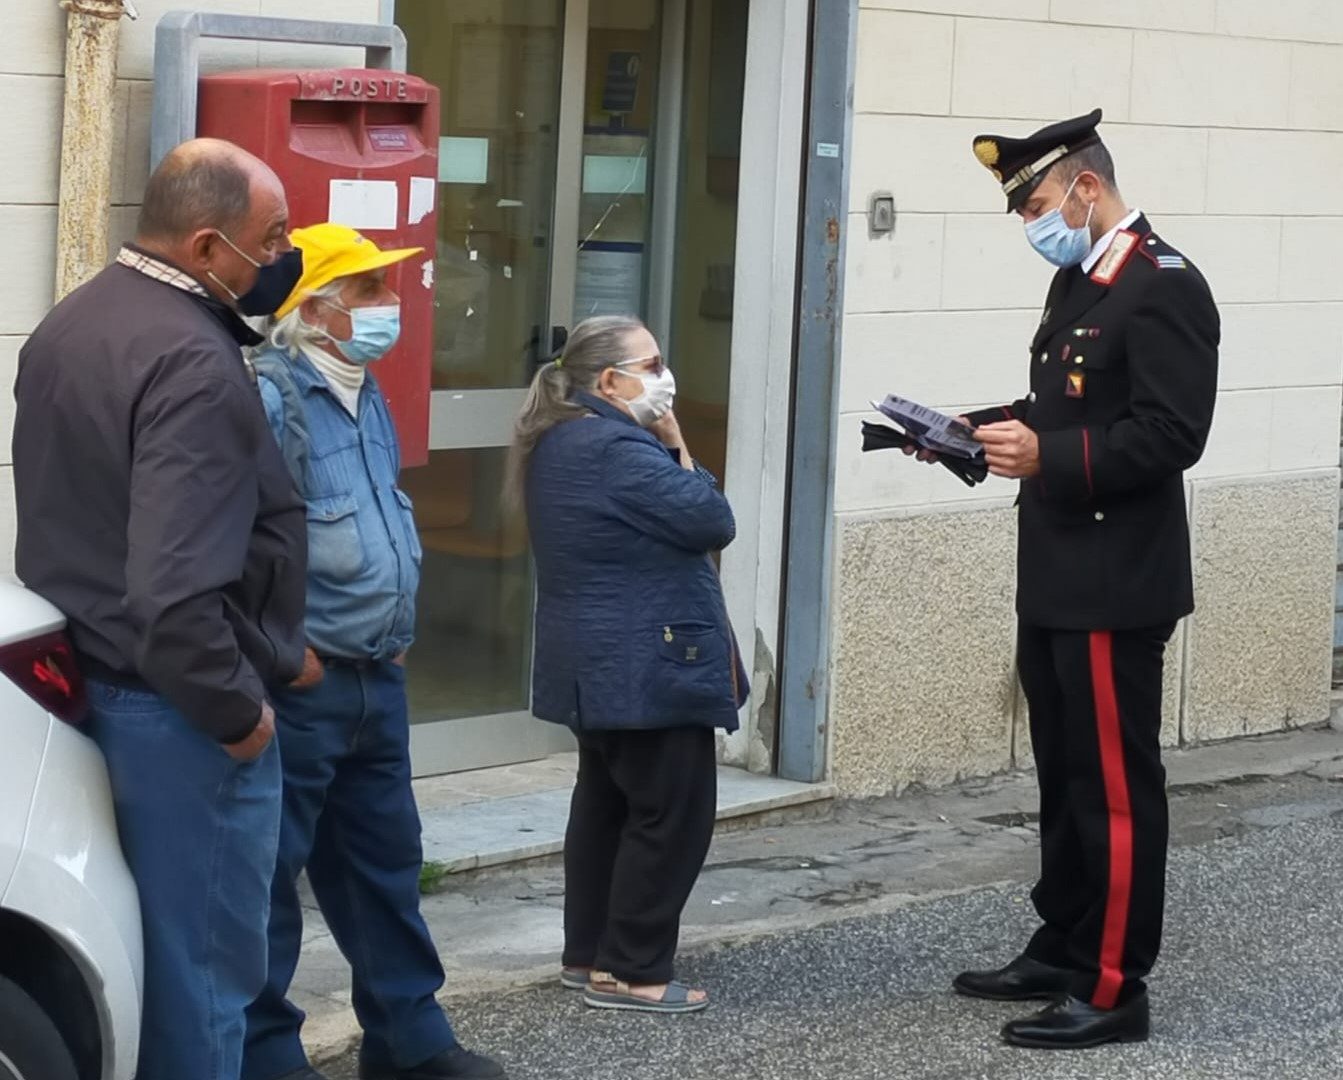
{"type": "Point", "coordinates": [358, 147]}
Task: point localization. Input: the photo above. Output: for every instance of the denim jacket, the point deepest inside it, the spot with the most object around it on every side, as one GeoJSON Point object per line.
{"type": "Point", "coordinates": [363, 549]}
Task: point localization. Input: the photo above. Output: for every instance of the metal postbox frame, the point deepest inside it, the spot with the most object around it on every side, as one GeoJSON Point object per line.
{"type": "Point", "coordinates": [177, 59]}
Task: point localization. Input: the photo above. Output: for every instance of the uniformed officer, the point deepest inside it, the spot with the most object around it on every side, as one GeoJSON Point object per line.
{"type": "Point", "coordinates": [1123, 377]}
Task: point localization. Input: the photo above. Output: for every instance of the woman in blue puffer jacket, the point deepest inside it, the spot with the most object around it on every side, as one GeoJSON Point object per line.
{"type": "Point", "coordinates": [634, 651]}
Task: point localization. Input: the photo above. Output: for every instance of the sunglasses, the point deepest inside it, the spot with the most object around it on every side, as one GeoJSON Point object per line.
{"type": "Point", "coordinates": [659, 365]}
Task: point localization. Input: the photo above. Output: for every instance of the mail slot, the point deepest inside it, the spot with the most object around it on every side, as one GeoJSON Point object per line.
{"type": "Point", "coordinates": [358, 147]}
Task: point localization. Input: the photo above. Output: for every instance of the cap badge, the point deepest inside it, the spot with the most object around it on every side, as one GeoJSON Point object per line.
{"type": "Point", "coordinates": [987, 152]}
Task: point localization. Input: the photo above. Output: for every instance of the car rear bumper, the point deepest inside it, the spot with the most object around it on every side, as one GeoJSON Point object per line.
{"type": "Point", "coordinates": [72, 880]}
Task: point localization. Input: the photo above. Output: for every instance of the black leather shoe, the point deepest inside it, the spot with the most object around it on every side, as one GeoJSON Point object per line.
{"type": "Point", "coordinates": [1074, 1025]}
{"type": "Point", "coordinates": [1023, 979]}
{"type": "Point", "coordinates": [305, 1073]}
{"type": "Point", "coordinates": [455, 1064]}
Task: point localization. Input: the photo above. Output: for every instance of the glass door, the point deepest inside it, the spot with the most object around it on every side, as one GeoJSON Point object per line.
{"type": "Point", "coordinates": [545, 193]}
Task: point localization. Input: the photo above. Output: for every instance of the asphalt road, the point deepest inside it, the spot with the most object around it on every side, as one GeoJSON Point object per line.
{"type": "Point", "coordinates": [1250, 986]}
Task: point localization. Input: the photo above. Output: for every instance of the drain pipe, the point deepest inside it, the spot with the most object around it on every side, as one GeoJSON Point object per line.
{"type": "Point", "coordinates": [93, 28]}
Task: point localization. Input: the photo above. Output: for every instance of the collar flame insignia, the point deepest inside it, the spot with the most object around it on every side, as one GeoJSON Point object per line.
{"type": "Point", "coordinates": [1115, 258]}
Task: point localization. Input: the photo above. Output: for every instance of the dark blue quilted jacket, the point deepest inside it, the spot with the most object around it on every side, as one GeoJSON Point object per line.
{"type": "Point", "coordinates": [631, 628]}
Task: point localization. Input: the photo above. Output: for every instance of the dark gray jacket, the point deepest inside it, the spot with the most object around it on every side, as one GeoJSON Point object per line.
{"type": "Point", "coordinates": [154, 508]}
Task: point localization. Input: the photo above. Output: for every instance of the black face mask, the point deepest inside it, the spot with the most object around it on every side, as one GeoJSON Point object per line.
{"type": "Point", "coordinates": [273, 285]}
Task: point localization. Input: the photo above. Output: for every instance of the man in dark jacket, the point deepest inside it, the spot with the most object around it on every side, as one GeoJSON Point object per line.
{"type": "Point", "coordinates": [155, 510]}
{"type": "Point", "coordinates": [1123, 378]}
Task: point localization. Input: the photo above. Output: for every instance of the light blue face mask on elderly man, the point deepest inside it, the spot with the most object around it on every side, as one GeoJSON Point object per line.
{"type": "Point", "coordinates": [376, 331]}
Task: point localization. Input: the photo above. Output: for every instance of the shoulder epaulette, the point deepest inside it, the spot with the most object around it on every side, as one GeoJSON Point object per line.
{"type": "Point", "coordinates": [1161, 255]}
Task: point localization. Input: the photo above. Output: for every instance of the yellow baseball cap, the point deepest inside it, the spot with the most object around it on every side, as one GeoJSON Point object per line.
{"type": "Point", "coordinates": [332, 252]}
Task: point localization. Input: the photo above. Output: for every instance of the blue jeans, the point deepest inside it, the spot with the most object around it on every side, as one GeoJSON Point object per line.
{"type": "Point", "coordinates": [200, 833]}
{"type": "Point", "coordinates": [350, 819]}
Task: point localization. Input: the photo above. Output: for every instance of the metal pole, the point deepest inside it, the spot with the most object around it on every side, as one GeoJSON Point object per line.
{"type": "Point", "coordinates": [93, 28]}
{"type": "Point", "coordinates": [177, 44]}
{"type": "Point", "coordinates": [804, 691]}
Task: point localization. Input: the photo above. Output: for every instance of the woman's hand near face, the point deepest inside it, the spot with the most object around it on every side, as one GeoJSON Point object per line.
{"type": "Point", "coordinates": [667, 430]}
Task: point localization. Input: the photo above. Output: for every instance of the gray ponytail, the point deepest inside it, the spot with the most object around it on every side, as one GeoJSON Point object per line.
{"type": "Point", "coordinates": [594, 346]}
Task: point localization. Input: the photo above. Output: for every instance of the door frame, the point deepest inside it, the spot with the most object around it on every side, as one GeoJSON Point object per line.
{"type": "Point", "coordinates": [668, 152]}
{"type": "Point", "coordinates": [764, 326]}
{"type": "Point", "coordinates": [479, 419]}
{"type": "Point", "coordinates": [482, 419]}
{"type": "Point", "coordinates": [763, 335]}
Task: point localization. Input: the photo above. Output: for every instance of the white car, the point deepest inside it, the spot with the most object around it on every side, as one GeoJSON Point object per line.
{"type": "Point", "coordinates": [71, 962]}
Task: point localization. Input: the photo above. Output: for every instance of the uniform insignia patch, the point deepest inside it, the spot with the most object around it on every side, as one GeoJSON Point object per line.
{"type": "Point", "coordinates": [1115, 257]}
{"type": "Point", "coordinates": [1171, 262]}
{"type": "Point", "coordinates": [1077, 384]}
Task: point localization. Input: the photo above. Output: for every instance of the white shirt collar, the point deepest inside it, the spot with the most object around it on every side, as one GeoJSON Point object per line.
{"type": "Point", "coordinates": [1101, 246]}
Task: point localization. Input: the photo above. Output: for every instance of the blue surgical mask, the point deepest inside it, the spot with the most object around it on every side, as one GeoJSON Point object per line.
{"type": "Point", "coordinates": [1057, 241]}
{"type": "Point", "coordinates": [376, 330]}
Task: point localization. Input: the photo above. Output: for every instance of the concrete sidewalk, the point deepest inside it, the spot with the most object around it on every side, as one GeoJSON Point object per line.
{"type": "Point", "coordinates": [501, 929]}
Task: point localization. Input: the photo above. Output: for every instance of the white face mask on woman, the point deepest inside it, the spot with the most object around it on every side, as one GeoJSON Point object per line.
{"type": "Point", "coordinates": [658, 395]}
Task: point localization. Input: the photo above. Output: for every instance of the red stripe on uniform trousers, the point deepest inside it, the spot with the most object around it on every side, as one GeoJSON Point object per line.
{"type": "Point", "coordinates": [1008, 413]}
{"type": "Point", "coordinates": [1120, 815]}
{"type": "Point", "coordinates": [1086, 460]}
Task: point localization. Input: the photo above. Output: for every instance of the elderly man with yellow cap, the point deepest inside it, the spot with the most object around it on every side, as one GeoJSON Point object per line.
{"type": "Point", "coordinates": [349, 815]}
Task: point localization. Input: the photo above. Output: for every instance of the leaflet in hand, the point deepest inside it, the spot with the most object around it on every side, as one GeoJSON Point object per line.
{"type": "Point", "coordinates": [931, 429]}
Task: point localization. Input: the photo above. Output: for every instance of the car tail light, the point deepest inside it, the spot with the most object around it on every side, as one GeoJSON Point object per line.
{"type": "Point", "coordinates": [44, 669]}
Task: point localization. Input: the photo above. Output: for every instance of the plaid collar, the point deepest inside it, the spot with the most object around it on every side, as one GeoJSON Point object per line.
{"type": "Point", "coordinates": [159, 270]}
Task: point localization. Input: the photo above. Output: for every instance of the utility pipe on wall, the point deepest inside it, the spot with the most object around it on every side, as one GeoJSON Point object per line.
{"type": "Point", "coordinates": [93, 29]}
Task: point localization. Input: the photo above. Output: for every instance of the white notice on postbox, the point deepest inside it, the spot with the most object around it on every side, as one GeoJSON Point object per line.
{"type": "Point", "coordinates": [423, 198]}
{"type": "Point", "coordinates": [363, 204]}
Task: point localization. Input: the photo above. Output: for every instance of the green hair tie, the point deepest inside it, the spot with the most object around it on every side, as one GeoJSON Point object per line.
{"type": "Point", "coordinates": [559, 361]}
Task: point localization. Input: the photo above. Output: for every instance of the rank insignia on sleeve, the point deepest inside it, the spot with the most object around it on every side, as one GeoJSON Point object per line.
{"type": "Point", "coordinates": [1077, 384]}
{"type": "Point", "coordinates": [1107, 269]}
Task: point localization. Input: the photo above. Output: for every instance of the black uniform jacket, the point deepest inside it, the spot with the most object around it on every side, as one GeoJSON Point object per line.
{"type": "Point", "coordinates": [1122, 385]}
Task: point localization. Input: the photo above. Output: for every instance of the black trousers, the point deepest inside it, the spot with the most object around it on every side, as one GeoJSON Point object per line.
{"type": "Point", "coordinates": [639, 829]}
{"type": "Point", "coordinates": [1095, 713]}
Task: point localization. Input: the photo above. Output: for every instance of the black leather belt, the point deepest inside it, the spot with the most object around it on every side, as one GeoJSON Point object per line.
{"type": "Point", "coordinates": [354, 663]}
{"type": "Point", "coordinates": [97, 671]}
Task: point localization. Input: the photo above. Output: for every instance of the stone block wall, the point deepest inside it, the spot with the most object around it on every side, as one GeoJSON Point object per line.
{"type": "Point", "coordinates": [1226, 121]}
